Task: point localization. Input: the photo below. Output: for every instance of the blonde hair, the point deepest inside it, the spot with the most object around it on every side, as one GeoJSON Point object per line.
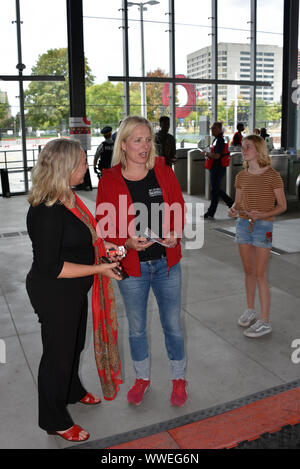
{"type": "Point", "coordinates": [51, 175]}
{"type": "Point", "coordinates": [126, 128]}
{"type": "Point", "coordinates": [263, 157]}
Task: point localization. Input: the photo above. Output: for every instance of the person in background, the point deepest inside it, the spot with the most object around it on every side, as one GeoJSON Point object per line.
{"type": "Point", "coordinates": [263, 133]}
{"type": "Point", "coordinates": [144, 180]}
{"type": "Point", "coordinates": [104, 152]}
{"type": "Point", "coordinates": [219, 153]}
{"type": "Point", "coordinates": [114, 135]}
{"type": "Point", "coordinates": [238, 137]}
{"type": "Point", "coordinates": [258, 188]}
{"type": "Point", "coordinates": [66, 251]}
{"type": "Point", "coordinates": [165, 143]}
{"type": "Point", "coordinates": [256, 132]}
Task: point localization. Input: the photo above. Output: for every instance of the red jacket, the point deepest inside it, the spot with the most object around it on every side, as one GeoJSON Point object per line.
{"type": "Point", "coordinates": [111, 186]}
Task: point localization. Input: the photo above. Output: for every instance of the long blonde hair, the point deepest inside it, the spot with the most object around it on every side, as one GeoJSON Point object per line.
{"type": "Point", "coordinates": [51, 175]}
{"type": "Point", "coordinates": [263, 158]}
{"type": "Point", "coordinates": [126, 128]}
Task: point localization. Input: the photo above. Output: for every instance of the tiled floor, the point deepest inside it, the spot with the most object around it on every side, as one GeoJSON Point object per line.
{"type": "Point", "coordinates": [223, 365]}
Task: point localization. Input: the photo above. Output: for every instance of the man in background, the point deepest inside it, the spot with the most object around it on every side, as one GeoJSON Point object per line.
{"type": "Point", "coordinates": [165, 143]}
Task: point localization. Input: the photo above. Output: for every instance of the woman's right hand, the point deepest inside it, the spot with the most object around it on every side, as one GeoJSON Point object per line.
{"type": "Point", "coordinates": [107, 270]}
{"type": "Point", "coordinates": [233, 213]}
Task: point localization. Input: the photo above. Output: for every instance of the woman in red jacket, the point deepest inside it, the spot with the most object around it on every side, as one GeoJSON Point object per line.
{"type": "Point", "coordinates": [140, 191]}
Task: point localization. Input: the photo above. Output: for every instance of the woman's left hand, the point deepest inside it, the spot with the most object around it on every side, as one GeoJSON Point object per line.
{"type": "Point", "coordinates": [171, 240]}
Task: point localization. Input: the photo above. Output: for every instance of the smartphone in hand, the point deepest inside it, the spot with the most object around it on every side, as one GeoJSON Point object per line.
{"type": "Point", "coordinates": [116, 270]}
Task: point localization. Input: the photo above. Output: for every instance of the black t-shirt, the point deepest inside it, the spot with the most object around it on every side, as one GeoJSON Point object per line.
{"type": "Point", "coordinates": [148, 204]}
{"type": "Point", "coordinates": [218, 144]}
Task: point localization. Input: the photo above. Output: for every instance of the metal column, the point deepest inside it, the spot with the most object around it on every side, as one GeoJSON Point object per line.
{"type": "Point", "coordinates": [289, 77]}
{"type": "Point", "coordinates": [214, 58]}
{"type": "Point", "coordinates": [172, 86]}
{"type": "Point", "coordinates": [21, 67]}
{"type": "Point", "coordinates": [253, 23]}
{"type": "Point", "coordinates": [76, 68]}
{"type": "Point", "coordinates": [126, 107]}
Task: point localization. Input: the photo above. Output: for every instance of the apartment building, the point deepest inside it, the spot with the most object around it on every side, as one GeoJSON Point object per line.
{"type": "Point", "coordinates": [234, 64]}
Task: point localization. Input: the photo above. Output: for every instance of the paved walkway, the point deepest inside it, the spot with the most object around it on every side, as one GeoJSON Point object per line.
{"type": "Point", "coordinates": [224, 367]}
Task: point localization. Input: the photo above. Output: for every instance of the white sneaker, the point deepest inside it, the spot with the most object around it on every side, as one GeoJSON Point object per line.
{"type": "Point", "coordinates": [247, 318]}
{"type": "Point", "coordinates": [258, 329]}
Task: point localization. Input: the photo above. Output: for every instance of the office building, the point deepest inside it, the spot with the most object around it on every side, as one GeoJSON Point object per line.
{"type": "Point", "coordinates": [234, 64]}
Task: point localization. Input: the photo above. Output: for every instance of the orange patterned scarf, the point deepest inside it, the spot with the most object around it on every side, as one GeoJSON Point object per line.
{"type": "Point", "coordinates": [105, 324]}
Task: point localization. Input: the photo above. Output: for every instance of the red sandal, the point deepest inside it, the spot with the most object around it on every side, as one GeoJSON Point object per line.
{"type": "Point", "coordinates": [89, 399]}
{"type": "Point", "coordinates": [72, 434]}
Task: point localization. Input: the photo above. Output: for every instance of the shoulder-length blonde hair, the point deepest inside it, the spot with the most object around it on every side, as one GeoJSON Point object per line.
{"type": "Point", "coordinates": [126, 128]}
{"type": "Point", "coordinates": [51, 175]}
{"type": "Point", "coordinates": [263, 158]}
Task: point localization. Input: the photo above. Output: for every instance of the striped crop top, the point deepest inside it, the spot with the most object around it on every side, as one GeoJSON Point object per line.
{"type": "Point", "coordinates": [258, 190]}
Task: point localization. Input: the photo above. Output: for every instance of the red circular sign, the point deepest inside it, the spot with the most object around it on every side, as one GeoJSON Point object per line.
{"type": "Point", "coordinates": [181, 111]}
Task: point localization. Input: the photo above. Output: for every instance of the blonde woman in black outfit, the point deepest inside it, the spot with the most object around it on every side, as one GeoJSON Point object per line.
{"type": "Point", "coordinates": [58, 282]}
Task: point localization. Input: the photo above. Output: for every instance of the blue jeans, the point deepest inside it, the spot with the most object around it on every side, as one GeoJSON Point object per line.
{"type": "Point", "coordinates": [166, 286]}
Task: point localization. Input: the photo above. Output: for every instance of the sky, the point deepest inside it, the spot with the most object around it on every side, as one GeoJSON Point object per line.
{"type": "Point", "coordinates": [44, 27]}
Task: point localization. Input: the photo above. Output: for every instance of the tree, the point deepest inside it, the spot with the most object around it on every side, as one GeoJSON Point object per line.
{"type": "Point", "coordinates": [153, 94]}
{"type": "Point", "coordinates": [274, 112]}
{"type": "Point", "coordinates": [261, 113]}
{"type": "Point", "coordinates": [4, 106]}
{"type": "Point", "coordinates": [104, 103]}
{"type": "Point", "coordinates": [47, 103]}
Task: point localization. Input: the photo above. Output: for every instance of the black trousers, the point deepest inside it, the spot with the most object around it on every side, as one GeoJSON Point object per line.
{"type": "Point", "coordinates": [216, 175]}
{"type": "Point", "coordinates": [63, 321]}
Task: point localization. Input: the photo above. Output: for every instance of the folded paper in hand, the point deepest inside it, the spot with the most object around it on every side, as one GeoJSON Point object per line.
{"type": "Point", "coordinates": [151, 236]}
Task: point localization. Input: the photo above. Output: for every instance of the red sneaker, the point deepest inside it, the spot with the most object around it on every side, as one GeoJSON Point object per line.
{"type": "Point", "coordinates": [136, 393]}
{"type": "Point", "coordinates": [179, 394]}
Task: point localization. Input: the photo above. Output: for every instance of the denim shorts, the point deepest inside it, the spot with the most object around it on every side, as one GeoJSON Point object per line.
{"type": "Point", "coordinates": [258, 233]}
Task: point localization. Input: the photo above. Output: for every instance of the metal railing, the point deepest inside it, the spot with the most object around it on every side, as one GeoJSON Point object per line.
{"type": "Point", "coordinates": [12, 162]}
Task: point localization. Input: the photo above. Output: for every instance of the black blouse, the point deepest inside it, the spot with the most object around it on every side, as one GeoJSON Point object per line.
{"type": "Point", "coordinates": [57, 236]}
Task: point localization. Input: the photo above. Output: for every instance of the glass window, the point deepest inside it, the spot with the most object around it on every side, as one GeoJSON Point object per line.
{"type": "Point", "coordinates": [269, 48]}
{"type": "Point", "coordinates": [8, 39]}
{"type": "Point", "coordinates": [233, 107]}
{"type": "Point", "coordinates": [103, 48]}
{"type": "Point", "coordinates": [11, 157]}
{"type": "Point", "coordinates": [46, 103]}
{"type": "Point", "coordinates": [103, 38]}
{"type": "Point", "coordinates": [152, 23]}
{"type": "Point", "coordinates": [234, 37]}
{"type": "Point", "coordinates": [155, 105]}
{"type": "Point", "coordinates": [192, 37]}
{"type": "Point", "coordinates": [193, 113]}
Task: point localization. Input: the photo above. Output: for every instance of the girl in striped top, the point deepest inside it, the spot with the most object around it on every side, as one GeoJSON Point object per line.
{"type": "Point", "coordinates": [259, 196]}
